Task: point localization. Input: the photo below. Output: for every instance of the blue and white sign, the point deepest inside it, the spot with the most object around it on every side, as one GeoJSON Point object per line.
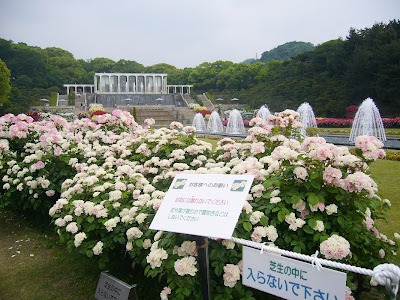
{"type": "Point", "coordinates": [290, 279]}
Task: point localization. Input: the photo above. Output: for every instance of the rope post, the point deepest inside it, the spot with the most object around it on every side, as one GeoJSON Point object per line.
{"type": "Point", "coordinates": [202, 251]}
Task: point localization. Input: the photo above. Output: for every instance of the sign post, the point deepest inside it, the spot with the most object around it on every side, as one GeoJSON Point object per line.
{"type": "Point", "coordinates": [204, 269]}
{"type": "Point", "coordinates": [203, 205]}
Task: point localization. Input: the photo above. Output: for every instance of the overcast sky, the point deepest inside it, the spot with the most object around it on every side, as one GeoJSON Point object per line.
{"type": "Point", "coordinates": [184, 33]}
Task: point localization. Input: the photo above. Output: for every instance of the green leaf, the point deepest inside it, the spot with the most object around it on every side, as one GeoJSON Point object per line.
{"type": "Point", "coordinates": [286, 211]}
{"type": "Point", "coordinates": [352, 286]}
{"type": "Point", "coordinates": [312, 223]}
{"type": "Point", "coordinates": [288, 239]}
{"type": "Point", "coordinates": [359, 152]}
{"type": "Point", "coordinates": [340, 220]}
{"type": "Point", "coordinates": [147, 270]}
{"type": "Point", "coordinates": [264, 221]}
{"type": "Point", "coordinates": [316, 184]}
{"type": "Point", "coordinates": [139, 243]}
{"type": "Point", "coordinates": [313, 199]}
{"type": "Point", "coordinates": [295, 199]}
{"type": "Point", "coordinates": [339, 197]}
{"type": "Point", "coordinates": [362, 206]}
{"type": "Point", "coordinates": [308, 229]}
{"type": "Point", "coordinates": [314, 175]}
{"type": "Point", "coordinates": [218, 270]}
{"type": "Point", "coordinates": [213, 254]}
{"type": "Point", "coordinates": [90, 219]}
{"type": "Point", "coordinates": [316, 237]}
{"type": "Point", "coordinates": [247, 226]}
{"type": "Point", "coordinates": [281, 216]}
{"type": "Point", "coordinates": [302, 245]}
{"type": "Point", "coordinates": [297, 249]}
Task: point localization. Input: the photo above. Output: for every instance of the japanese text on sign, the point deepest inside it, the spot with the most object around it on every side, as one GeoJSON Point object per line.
{"type": "Point", "coordinates": [289, 278]}
{"type": "Point", "coordinates": [111, 288]}
{"type": "Point", "coordinates": [197, 203]}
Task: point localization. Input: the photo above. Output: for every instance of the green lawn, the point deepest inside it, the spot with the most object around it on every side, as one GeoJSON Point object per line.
{"type": "Point", "coordinates": [387, 174]}
{"type": "Point", "coordinates": [389, 131]}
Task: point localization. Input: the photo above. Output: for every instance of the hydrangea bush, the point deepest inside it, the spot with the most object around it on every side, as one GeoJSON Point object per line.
{"type": "Point", "coordinates": [102, 183]}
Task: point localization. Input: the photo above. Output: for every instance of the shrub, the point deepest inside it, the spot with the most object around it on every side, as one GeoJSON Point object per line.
{"type": "Point", "coordinates": [391, 122]}
{"type": "Point", "coordinates": [304, 196]}
{"type": "Point", "coordinates": [392, 155]}
{"type": "Point", "coordinates": [351, 111]}
{"type": "Point", "coordinates": [312, 131]}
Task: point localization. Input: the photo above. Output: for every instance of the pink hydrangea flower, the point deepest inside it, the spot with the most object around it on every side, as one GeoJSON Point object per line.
{"type": "Point", "coordinates": [335, 247]}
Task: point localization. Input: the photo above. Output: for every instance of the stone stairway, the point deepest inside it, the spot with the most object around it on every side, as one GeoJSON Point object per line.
{"type": "Point", "coordinates": [189, 99]}
{"type": "Point", "coordinates": [206, 102]}
{"type": "Point", "coordinates": [79, 103]}
{"type": "Point", "coordinates": [162, 114]}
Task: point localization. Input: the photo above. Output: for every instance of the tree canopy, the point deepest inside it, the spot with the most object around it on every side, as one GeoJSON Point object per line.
{"type": "Point", "coordinates": [4, 82]}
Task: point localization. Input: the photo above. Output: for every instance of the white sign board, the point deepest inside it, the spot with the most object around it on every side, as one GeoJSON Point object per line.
{"type": "Point", "coordinates": [289, 278]}
{"type": "Point", "coordinates": [203, 204]}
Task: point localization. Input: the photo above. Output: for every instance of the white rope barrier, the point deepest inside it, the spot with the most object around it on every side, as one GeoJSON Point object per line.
{"type": "Point", "coordinates": [385, 274]}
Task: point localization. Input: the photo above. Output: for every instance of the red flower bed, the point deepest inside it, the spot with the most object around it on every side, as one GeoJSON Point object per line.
{"type": "Point", "coordinates": [332, 122]}
{"type": "Point", "coordinates": [391, 122]}
{"type": "Point", "coordinates": [351, 111]}
{"type": "Point", "coordinates": [341, 123]}
{"type": "Point", "coordinates": [97, 113]}
{"type": "Point", "coordinates": [34, 114]}
{"type": "Point", "coordinates": [205, 112]}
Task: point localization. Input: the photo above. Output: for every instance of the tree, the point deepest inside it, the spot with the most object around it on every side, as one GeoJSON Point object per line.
{"type": "Point", "coordinates": [99, 64]}
{"type": "Point", "coordinates": [127, 66]}
{"type": "Point", "coordinates": [286, 51]}
{"type": "Point", "coordinates": [171, 70]}
{"type": "Point", "coordinates": [4, 82]}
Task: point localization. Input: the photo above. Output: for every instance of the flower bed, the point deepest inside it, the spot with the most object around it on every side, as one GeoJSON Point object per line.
{"type": "Point", "coordinates": [245, 123]}
{"type": "Point", "coordinates": [341, 123]}
{"type": "Point", "coordinates": [205, 112]}
{"type": "Point", "coordinates": [332, 122]}
{"type": "Point", "coordinates": [102, 183]}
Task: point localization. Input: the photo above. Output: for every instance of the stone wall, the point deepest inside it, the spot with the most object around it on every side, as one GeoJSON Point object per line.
{"type": "Point", "coordinates": [137, 100]}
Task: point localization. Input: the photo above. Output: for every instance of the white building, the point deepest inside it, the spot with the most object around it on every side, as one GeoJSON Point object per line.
{"type": "Point", "coordinates": [129, 83]}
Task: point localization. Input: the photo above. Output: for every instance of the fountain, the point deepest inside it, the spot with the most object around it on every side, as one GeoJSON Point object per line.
{"type": "Point", "coordinates": [198, 123]}
{"type": "Point", "coordinates": [307, 117]}
{"type": "Point", "coordinates": [235, 123]}
{"type": "Point", "coordinates": [263, 113]}
{"type": "Point", "coordinates": [214, 123]}
{"type": "Point", "coordinates": [368, 121]}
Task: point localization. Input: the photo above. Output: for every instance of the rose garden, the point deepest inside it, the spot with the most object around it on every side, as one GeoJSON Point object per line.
{"type": "Point", "coordinates": [103, 179]}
